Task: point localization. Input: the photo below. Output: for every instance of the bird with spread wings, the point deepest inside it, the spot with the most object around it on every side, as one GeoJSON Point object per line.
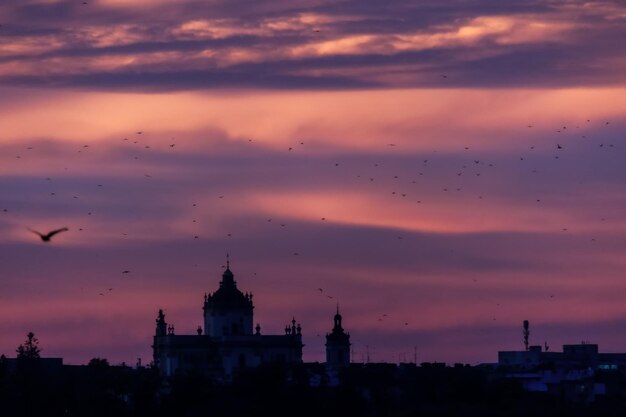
{"type": "Point", "coordinates": [46, 237]}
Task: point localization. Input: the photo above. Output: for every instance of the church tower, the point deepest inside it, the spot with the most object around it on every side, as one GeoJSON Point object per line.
{"type": "Point", "coordinates": [337, 345]}
{"type": "Point", "coordinates": [228, 311]}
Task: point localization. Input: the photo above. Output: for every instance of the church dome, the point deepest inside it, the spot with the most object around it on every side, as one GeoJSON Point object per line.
{"type": "Point", "coordinates": [228, 296]}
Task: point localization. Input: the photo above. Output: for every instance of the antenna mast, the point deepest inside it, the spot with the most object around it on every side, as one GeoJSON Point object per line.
{"type": "Point", "coordinates": [526, 334]}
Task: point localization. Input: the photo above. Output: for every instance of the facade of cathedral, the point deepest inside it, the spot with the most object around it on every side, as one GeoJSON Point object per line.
{"type": "Point", "coordinates": [228, 341]}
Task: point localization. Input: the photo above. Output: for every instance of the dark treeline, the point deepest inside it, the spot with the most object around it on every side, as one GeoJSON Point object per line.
{"type": "Point", "coordinates": [99, 389]}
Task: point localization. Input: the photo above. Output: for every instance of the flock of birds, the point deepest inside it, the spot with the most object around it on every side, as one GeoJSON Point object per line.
{"type": "Point", "coordinates": [473, 167]}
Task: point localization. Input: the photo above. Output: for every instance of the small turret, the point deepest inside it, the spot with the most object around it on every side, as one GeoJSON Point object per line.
{"type": "Point", "coordinates": [294, 329]}
{"type": "Point", "coordinates": [337, 327]}
{"type": "Point", "coordinates": [161, 326]}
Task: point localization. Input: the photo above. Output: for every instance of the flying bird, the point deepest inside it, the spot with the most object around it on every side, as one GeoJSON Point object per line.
{"type": "Point", "coordinates": [48, 236]}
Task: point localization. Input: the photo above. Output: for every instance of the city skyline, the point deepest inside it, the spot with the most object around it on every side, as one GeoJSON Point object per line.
{"type": "Point", "coordinates": [443, 172]}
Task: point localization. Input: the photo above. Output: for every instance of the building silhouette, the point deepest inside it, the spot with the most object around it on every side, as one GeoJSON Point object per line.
{"type": "Point", "coordinates": [580, 356]}
{"type": "Point", "coordinates": [337, 345]}
{"type": "Point", "coordinates": [228, 341]}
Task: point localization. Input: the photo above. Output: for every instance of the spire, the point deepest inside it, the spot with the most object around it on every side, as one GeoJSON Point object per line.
{"type": "Point", "coordinates": [227, 276]}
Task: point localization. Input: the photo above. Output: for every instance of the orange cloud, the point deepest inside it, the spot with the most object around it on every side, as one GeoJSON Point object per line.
{"type": "Point", "coordinates": [424, 209]}
{"type": "Point", "coordinates": [358, 121]}
{"type": "Point", "coordinates": [214, 29]}
{"type": "Point", "coordinates": [504, 30]}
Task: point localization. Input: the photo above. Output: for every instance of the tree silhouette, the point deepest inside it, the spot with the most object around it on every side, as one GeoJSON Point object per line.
{"type": "Point", "coordinates": [30, 348]}
{"type": "Point", "coordinates": [3, 367]}
{"type": "Point", "coordinates": [98, 363]}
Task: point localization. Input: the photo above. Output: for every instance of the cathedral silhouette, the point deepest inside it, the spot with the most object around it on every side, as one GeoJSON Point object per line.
{"type": "Point", "coordinates": [228, 341]}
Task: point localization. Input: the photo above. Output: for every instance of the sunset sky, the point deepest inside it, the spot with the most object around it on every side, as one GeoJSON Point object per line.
{"type": "Point", "coordinates": [442, 170]}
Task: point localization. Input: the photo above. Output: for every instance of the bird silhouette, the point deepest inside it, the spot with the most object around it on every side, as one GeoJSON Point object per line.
{"type": "Point", "coordinates": [48, 236]}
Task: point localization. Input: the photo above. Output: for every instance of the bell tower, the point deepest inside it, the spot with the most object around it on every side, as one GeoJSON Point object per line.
{"type": "Point", "coordinates": [337, 345]}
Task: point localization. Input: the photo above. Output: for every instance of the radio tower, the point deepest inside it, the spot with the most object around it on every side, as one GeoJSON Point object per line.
{"type": "Point", "coordinates": [526, 334]}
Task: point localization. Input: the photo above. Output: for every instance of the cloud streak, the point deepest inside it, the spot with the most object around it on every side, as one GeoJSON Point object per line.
{"type": "Point", "coordinates": [316, 46]}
